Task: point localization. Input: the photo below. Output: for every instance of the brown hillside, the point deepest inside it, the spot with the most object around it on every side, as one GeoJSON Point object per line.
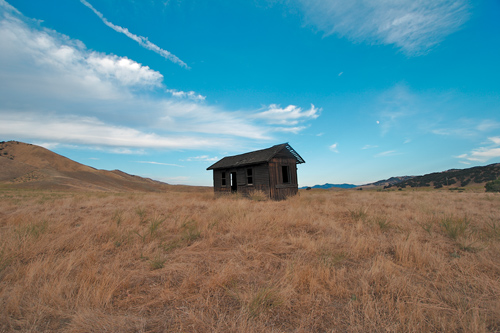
{"type": "Point", "coordinates": [29, 166]}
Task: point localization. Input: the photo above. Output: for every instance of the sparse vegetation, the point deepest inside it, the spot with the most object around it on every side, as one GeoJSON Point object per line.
{"type": "Point", "coordinates": [181, 261]}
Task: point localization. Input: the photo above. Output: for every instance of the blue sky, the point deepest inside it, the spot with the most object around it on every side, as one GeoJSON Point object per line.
{"type": "Point", "coordinates": [362, 90]}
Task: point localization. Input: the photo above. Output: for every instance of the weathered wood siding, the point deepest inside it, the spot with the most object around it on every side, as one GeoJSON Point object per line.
{"type": "Point", "coordinates": [218, 182]}
{"type": "Point", "coordinates": [267, 177]}
{"type": "Point", "coordinates": [260, 175]}
{"type": "Point", "coordinates": [278, 189]}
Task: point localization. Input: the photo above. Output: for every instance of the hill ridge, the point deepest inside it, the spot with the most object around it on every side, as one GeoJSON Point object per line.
{"type": "Point", "coordinates": [25, 165]}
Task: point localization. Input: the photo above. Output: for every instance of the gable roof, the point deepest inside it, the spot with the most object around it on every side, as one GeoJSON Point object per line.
{"type": "Point", "coordinates": [254, 157]}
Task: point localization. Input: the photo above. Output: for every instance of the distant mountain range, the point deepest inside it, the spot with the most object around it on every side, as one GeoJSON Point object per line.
{"type": "Point", "coordinates": [29, 166]}
{"type": "Point", "coordinates": [327, 186]}
{"type": "Point", "coordinates": [449, 178]}
{"type": "Point", "coordinates": [385, 182]}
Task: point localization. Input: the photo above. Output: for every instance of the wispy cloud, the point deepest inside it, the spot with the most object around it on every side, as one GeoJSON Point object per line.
{"type": "Point", "coordinates": [484, 154]}
{"type": "Point", "coordinates": [290, 115]}
{"type": "Point", "coordinates": [394, 106]}
{"type": "Point", "coordinates": [369, 147]}
{"type": "Point", "coordinates": [91, 131]}
{"type": "Point", "coordinates": [467, 127]}
{"type": "Point", "coordinates": [202, 158]}
{"type": "Point", "coordinates": [159, 163]}
{"type": "Point", "coordinates": [387, 153]}
{"type": "Point", "coordinates": [190, 94]}
{"type": "Point", "coordinates": [143, 41]}
{"type": "Point", "coordinates": [334, 148]}
{"type": "Point", "coordinates": [413, 26]}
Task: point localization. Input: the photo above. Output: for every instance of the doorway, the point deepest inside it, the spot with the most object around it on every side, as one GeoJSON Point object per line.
{"type": "Point", "coordinates": [234, 182]}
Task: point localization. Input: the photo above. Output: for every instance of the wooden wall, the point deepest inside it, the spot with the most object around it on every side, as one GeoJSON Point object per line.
{"type": "Point", "coordinates": [279, 190]}
{"type": "Point", "coordinates": [260, 175]}
{"type": "Point", "coordinates": [266, 177]}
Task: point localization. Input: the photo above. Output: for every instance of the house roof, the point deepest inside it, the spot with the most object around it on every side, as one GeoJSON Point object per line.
{"type": "Point", "coordinates": [254, 157]}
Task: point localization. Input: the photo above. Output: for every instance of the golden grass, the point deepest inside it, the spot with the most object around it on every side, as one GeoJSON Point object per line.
{"type": "Point", "coordinates": [186, 261]}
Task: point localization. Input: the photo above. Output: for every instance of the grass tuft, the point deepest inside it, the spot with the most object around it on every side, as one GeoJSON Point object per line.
{"type": "Point", "coordinates": [358, 214]}
{"type": "Point", "coordinates": [190, 231]}
{"type": "Point", "coordinates": [383, 223]}
{"type": "Point", "coordinates": [157, 262]}
{"type": "Point", "coordinates": [117, 217]}
{"type": "Point", "coordinates": [427, 227]}
{"type": "Point", "coordinates": [455, 227]}
{"type": "Point", "coordinates": [263, 300]}
{"type": "Point", "coordinates": [258, 196]}
{"type": "Point", "coordinates": [154, 224]}
{"type": "Point", "coordinates": [32, 230]}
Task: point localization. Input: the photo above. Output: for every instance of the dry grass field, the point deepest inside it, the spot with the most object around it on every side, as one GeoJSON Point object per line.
{"type": "Point", "coordinates": [185, 261]}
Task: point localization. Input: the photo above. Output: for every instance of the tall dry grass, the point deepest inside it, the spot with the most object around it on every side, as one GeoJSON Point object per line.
{"type": "Point", "coordinates": [186, 261]}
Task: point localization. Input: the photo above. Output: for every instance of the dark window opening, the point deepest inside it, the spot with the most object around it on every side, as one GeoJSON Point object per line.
{"type": "Point", "coordinates": [234, 182]}
{"type": "Point", "coordinates": [285, 172]}
{"type": "Point", "coordinates": [249, 177]}
{"type": "Point", "coordinates": [223, 182]}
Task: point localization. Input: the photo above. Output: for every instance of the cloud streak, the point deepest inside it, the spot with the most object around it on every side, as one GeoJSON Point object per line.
{"type": "Point", "coordinates": [143, 41]}
{"type": "Point", "coordinates": [413, 26]}
{"type": "Point", "coordinates": [484, 154]}
{"type": "Point", "coordinates": [91, 131]}
{"type": "Point", "coordinates": [159, 163]}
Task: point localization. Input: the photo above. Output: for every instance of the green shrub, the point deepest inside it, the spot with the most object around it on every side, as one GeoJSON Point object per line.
{"type": "Point", "coordinates": [493, 186]}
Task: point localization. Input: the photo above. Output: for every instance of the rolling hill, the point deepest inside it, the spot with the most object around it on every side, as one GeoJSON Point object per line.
{"type": "Point", "coordinates": [390, 181]}
{"type": "Point", "coordinates": [29, 166]}
{"type": "Point", "coordinates": [453, 178]}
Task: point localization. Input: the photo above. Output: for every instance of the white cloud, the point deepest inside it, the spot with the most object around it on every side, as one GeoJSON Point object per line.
{"type": "Point", "coordinates": [190, 94]}
{"type": "Point", "coordinates": [467, 127]}
{"type": "Point", "coordinates": [369, 147]}
{"type": "Point", "coordinates": [54, 90]}
{"type": "Point", "coordinates": [41, 65]}
{"type": "Point", "coordinates": [91, 131]}
{"type": "Point", "coordinates": [124, 70]}
{"type": "Point", "coordinates": [413, 26]}
{"type": "Point", "coordinates": [160, 163]}
{"type": "Point", "coordinates": [334, 147]}
{"type": "Point", "coordinates": [143, 41]}
{"type": "Point", "coordinates": [289, 116]}
{"type": "Point", "coordinates": [495, 140]}
{"type": "Point", "coordinates": [294, 130]}
{"type": "Point", "coordinates": [203, 158]}
{"type": "Point", "coordinates": [484, 154]}
{"type": "Point", "coordinates": [487, 125]}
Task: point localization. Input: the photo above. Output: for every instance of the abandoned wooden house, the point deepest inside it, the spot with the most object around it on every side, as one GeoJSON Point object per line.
{"type": "Point", "coordinates": [272, 171]}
